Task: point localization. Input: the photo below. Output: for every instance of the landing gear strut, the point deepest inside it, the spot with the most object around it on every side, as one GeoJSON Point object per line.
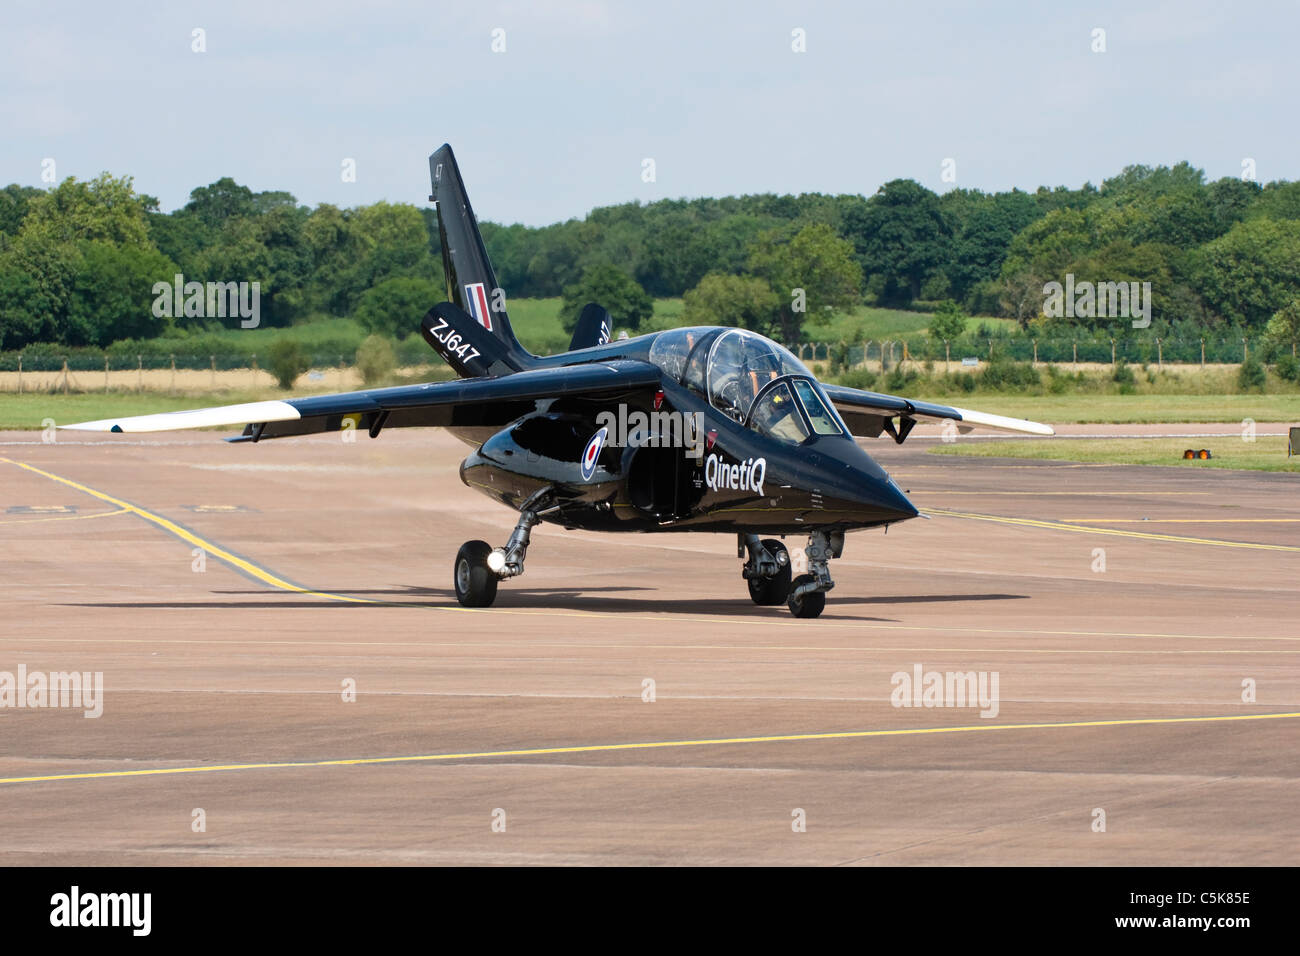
{"type": "Point", "coordinates": [480, 567]}
{"type": "Point", "coordinates": [807, 596]}
{"type": "Point", "coordinates": [767, 570]}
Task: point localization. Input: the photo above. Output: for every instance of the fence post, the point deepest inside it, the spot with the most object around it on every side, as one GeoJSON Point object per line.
{"type": "Point", "coordinates": [1076, 353]}
{"type": "Point", "coordinates": [1035, 362]}
{"type": "Point", "coordinates": [65, 375]}
{"type": "Point", "coordinates": [1202, 351]}
{"type": "Point", "coordinates": [1112, 353]}
{"type": "Point", "coordinates": [990, 350]}
{"type": "Point", "coordinates": [1245, 351]}
{"type": "Point", "coordinates": [1160, 355]}
{"type": "Point", "coordinates": [173, 371]}
{"type": "Point", "coordinates": [947, 356]}
{"type": "Point", "coordinates": [213, 360]}
{"type": "Point", "coordinates": [20, 371]}
{"type": "Point", "coordinates": [254, 368]}
{"type": "Point", "coordinates": [105, 373]}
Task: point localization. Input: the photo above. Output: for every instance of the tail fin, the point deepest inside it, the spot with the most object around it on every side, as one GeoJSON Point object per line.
{"type": "Point", "coordinates": [593, 327]}
{"type": "Point", "coordinates": [471, 284]}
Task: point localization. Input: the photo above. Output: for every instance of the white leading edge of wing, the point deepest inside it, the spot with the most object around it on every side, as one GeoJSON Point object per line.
{"type": "Point", "coordinates": [1002, 423]}
{"type": "Point", "coordinates": [195, 418]}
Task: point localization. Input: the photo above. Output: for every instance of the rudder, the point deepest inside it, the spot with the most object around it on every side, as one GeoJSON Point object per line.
{"type": "Point", "coordinates": [471, 283]}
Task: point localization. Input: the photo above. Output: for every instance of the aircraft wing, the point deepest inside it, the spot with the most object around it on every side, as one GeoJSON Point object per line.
{"type": "Point", "coordinates": [495, 400]}
{"type": "Point", "coordinates": [869, 413]}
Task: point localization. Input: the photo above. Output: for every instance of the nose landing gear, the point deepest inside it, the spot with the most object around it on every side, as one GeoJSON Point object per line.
{"type": "Point", "coordinates": [807, 596]}
{"type": "Point", "coordinates": [480, 567]}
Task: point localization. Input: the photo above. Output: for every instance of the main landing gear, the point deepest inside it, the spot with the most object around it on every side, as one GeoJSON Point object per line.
{"type": "Point", "coordinates": [768, 572]}
{"type": "Point", "coordinates": [480, 567]}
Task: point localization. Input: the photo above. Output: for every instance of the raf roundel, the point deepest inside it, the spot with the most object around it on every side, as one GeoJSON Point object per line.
{"type": "Point", "coordinates": [591, 453]}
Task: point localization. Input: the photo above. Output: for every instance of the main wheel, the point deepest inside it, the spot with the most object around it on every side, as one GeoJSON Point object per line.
{"type": "Point", "coordinates": [810, 604]}
{"type": "Point", "coordinates": [476, 585]}
{"type": "Point", "coordinates": [772, 591]}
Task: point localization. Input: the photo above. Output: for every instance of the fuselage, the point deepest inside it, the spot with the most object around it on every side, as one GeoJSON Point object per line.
{"type": "Point", "coordinates": [739, 437]}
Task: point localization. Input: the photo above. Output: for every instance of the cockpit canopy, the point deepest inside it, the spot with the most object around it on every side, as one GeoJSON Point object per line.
{"type": "Point", "coordinates": [748, 377]}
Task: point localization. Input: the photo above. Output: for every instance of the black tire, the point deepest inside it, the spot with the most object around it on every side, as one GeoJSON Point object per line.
{"type": "Point", "coordinates": [811, 604]}
{"type": "Point", "coordinates": [769, 592]}
{"type": "Point", "coordinates": [475, 585]}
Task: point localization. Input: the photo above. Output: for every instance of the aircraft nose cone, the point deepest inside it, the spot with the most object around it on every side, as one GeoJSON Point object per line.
{"type": "Point", "coordinates": [874, 500]}
{"type": "Point", "coordinates": [863, 488]}
{"type": "Point", "coordinates": [893, 499]}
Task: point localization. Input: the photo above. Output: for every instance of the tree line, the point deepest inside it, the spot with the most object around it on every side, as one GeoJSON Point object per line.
{"type": "Point", "coordinates": [79, 261]}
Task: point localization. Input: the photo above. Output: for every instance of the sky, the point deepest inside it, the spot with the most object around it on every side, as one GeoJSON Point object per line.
{"type": "Point", "coordinates": [563, 115]}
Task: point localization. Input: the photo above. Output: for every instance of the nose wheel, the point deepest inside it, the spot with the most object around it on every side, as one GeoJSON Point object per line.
{"type": "Point", "coordinates": [806, 603]}
{"type": "Point", "coordinates": [807, 596]}
{"type": "Point", "coordinates": [480, 567]}
{"type": "Point", "coordinates": [476, 584]}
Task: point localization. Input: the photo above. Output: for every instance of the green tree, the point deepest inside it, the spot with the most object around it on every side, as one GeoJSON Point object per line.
{"type": "Point", "coordinates": [23, 316]}
{"type": "Point", "coordinates": [376, 359]}
{"type": "Point", "coordinates": [214, 205]}
{"type": "Point", "coordinates": [14, 200]}
{"type": "Point", "coordinates": [395, 306]}
{"type": "Point", "coordinates": [112, 294]}
{"type": "Point", "coordinates": [1252, 271]}
{"type": "Point", "coordinates": [60, 228]}
{"type": "Point", "coordinates": [612, 288]}
{"type": "Point", "coordinates": [732, 300]}
{"type": "Point", "coordinates": [810, 269]}
{"type": "Point", "coordinates": [901, 235]}
{"type": "Point", "coordinates": [288, 361]}
{"type": "Point", "coordinates": [949, 322]}
{"type": "Point", "coordinates": [106, 207]}
{"type": "Point", "coordinates": [1283, 329]}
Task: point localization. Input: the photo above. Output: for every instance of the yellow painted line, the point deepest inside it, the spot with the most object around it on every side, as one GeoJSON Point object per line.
{"type": "Point", "coordinates": [234, 560]}
{"type": "Point", "coordinates": [98, 514]}
{"type": "Point", "coordinates": [1184, 520]}
{"type": "Point", "coordinates": [649, 745]}
{"type": "Point", "coordinates": [1062, 526]}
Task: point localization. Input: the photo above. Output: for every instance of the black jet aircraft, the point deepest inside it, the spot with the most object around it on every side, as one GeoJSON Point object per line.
{"type": "Point", "coordinates": [693, 429]}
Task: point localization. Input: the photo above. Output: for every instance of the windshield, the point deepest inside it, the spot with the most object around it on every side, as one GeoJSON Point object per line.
{"type": "Point", "coordinates": [775, 414]}
{"type": "Point", "coordinates": [741, 363]}
{"type": "Point", "coordinates": [823, 418]}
